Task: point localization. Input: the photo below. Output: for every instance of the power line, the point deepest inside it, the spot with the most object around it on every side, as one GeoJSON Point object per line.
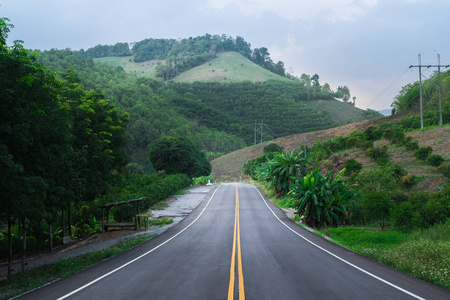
{"type": "Point", "coordinates": [386, 89]}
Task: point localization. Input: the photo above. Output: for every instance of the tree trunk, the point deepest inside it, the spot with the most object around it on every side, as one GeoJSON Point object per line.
{"type": "Point", "coordinates": [24, 243]}
{"type": "Point", "coordinates": [50, 237]}
{"type": "Point", "coordinates": [9, 246]}
{"type": "Point", "coordinates": [69, 218]}
{"type": "Point", "coordinates": [63, 222]}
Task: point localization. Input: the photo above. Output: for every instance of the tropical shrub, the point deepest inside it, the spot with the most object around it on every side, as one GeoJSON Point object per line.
{"type": "Point", "coordinates": [283, 169]}
{"type": "Point", "coordinates": [252, 165]}
{"type": "Point", "coordinates": [321, 199]}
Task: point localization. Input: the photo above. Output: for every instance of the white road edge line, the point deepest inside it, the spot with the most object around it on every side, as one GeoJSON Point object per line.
{"type": "Point", "coordinates": [139, 257]}
{"type": "Point", "coordinates": [341, 259]}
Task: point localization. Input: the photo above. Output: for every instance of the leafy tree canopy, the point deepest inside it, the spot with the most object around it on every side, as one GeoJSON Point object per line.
{"type": "Point", "coordinates": [178, 155]}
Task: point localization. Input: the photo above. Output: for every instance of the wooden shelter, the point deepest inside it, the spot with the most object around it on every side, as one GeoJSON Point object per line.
{"type": "Point", "coordinates": [135, 203]}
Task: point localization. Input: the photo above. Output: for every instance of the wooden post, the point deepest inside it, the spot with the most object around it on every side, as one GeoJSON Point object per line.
{"type": "Point", "coordinates": [69, 218]}
{"type": "Point", "coordinates": [135, 217]}
{"type": "Point", "coordinates": [103, 220]}
{"type": "Point", "coordinates": [63, 222]}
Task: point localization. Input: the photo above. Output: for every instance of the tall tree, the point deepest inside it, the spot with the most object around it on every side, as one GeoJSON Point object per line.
{"type": "Point", "coordinates": [177, 155]}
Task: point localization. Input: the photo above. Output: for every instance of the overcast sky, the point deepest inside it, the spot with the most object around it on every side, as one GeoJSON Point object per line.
{"type": "Point", "coordinates": [366, 45]}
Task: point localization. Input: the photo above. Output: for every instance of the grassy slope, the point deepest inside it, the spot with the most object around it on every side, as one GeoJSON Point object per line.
{"type": "Point", "coordinates": [342, 112]}
{"type": "Point", "coordinates": [229, 167]}
{"type": "Point", "coordinates": [228, 67]}
{"type": "Point", "coordinates": [144, 69]}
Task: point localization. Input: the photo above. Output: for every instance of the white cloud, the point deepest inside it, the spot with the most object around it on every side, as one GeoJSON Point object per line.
{"type": "Point", "coordinates": [331, 10]}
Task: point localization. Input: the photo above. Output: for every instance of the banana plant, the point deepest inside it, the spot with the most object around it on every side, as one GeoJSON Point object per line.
{"type": "Point", "coordinates": [321, 199]}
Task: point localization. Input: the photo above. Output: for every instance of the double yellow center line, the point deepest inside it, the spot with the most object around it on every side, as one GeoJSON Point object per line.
{"type": "Point", "coordinates": [236, 239]}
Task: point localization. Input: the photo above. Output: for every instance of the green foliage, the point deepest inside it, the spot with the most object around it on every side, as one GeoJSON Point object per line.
{"type": "Point", "coordinates": [377, 207]}
{"type": "Point", "coordinates": [423, 153]}
{"type": "Point", "coordinates": [373, 133]}
{"type": "Point", "coordinates": [178, 155]}
{"type": "Point", "coordinates": [272, 147]}
{"type": "Point", "coordinates": [377, 153]}
{"type": "Point", "coordinates": [203, 180]}
{"type": "Point", "coordinates": [87, 223]}
{"type": "Point", "coordinates": [408, 181]}
{"type": "Point", "coordinates": [321, 199]}
{"type": "Point", "coordinates": [437, 209]}
{"type": "Point", "coordinates": [160, 222]}
{"type": "Point", "coordinates": [132, 186]}
{"type": "Point", "coordinates": [410, 144]}
{"type": "Point", "coordinates": [435, 160]}
{"type": "Point", "coordinates": [283, 169]}
{"type": "Point", "coordinates": [405, 217]}
{"type": "Point", "coordinates": [251, 166]}
{"type": "Point", "coordinates": [119, 49]}
{"type": "Point", "coordinates": [444, 169]}
{"type": "Point", "coordinates": [382, 178]}
{"type": "Point", "coordinates": [352, 166]}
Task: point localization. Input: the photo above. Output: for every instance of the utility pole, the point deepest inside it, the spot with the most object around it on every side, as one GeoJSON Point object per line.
{"type": "Point", "coordinates": [260, 128]}
{"type": "Point", "coordinates": [420, 66]}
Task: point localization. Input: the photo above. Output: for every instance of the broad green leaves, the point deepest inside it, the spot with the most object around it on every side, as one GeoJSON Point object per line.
{"type": "Point", "coordinates": [321, 199]}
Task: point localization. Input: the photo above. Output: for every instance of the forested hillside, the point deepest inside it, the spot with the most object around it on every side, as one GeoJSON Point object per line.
{"type": "Point", "coordinates": [219, 117]}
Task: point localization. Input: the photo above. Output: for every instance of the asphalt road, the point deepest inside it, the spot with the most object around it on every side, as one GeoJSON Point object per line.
{"type": "Point", "coordinates": [238, 245]}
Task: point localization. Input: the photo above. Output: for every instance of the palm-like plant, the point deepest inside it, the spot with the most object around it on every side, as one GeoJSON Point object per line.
{"type": "Point", "coordinates": [321, 199]}
{"type": "Point", "coordinates": [283, 169]}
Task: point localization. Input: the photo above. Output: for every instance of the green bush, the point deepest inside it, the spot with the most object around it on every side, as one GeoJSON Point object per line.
{"type": "Point", "coordinates": [377, 207]}
{"type": "Point", "coordinates": [373, 133]}
{"type": "Point", "coordinates": [423, 153]}
{"type": "Point", "coordinates": [408, 181]}
{"type": "Point", "coordinates": [410, 144]}
{"type": "Point", "coordinates": [403, 217]}
{"type": "Point", "coordinates": [435, 160]}
{"type": "Point", "coordinates": [444, 169]}
{"type": "Point", "coordinates": [437, 209]}
{"type": "Point", "coordinates": [378, 152]}
{"type": "Point", "coordinates": [352, 166]}
{"type": "Point", "coordinates": [397, 171]}
{"type": "Point", "coordinates": [272, 148]}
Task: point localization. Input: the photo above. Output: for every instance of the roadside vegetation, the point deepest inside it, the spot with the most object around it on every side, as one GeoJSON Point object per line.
{"type": "Point", "coordinates": [377, 192]}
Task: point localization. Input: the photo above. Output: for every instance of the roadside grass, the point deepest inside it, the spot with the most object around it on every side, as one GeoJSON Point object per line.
{"type": "Point", "coordinates": [34, 278]}
{"type": "Point", "coordinates": [422, 254]}
{"type": "Point", "coordinates": [160, 222]}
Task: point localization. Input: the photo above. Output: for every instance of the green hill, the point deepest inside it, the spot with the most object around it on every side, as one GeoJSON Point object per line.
{"type": "Point", "coordinates": [228, 67]}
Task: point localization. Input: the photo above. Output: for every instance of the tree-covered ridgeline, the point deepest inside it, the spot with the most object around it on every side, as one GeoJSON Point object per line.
{"type": "Point", "coordinates": [185, 54]}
